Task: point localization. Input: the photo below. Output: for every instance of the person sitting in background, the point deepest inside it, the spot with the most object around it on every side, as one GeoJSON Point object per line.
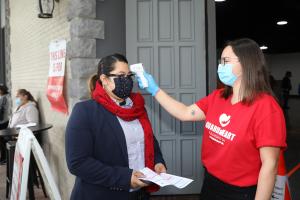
{"type": "Point", "coordinates": [3, 120]}
{"type": "Point", "coordinates": [3, 107]}
{"type": "Point", "coordinates": [26, 111]}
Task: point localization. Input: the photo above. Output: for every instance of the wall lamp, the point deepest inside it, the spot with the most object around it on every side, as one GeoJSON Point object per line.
{"type": "Point", "coordinates": [46, 8]}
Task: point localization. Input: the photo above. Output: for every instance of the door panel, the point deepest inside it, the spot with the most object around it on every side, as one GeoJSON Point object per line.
{"type": "Point", "coordinates": [168, 37]}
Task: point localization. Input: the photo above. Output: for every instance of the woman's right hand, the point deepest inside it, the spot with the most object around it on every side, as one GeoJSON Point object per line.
{"type": "Point", "coordinates": [152, 86]}
{"type": "Point", "coordinates": [135, 181]}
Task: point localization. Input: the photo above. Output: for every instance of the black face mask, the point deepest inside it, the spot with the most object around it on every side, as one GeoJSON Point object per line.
{"type": "Point", "coordinates": [123, 87]}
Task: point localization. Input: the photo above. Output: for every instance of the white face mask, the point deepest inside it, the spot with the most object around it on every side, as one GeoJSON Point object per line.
{"type": "Point", "coordinates": [18, 101]}
{"type": "Point", "coordinates": [225, 74]}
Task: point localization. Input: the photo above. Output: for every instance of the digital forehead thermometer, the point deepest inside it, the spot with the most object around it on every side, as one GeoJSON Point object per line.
{"type": "Point", "coordinates": [138, 69]}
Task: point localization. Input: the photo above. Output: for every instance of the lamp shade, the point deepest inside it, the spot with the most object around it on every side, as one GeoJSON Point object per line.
{"type": "Point", "coordinates": [46, 8]}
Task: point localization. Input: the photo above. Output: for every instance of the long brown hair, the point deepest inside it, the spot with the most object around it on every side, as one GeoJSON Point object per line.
{"type": "Point", "coordinates": [255, 77]}
{"type": "Point", "coordinates": [24, 92]}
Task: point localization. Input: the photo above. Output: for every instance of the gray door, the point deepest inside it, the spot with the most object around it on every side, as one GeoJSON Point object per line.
{"type": "Point", "coordinates": [168, 36]}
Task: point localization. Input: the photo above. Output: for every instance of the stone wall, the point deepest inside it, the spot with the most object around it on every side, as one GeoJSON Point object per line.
{"type": "Point", "coordinates": [84, 30]}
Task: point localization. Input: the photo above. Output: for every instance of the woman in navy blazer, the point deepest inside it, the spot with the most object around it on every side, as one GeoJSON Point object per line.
{"type": "Point", "coordinates": [104, 134]}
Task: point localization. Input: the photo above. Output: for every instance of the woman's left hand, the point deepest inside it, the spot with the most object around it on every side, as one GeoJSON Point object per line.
{"type": "Point", "coordinates": [160, 168]}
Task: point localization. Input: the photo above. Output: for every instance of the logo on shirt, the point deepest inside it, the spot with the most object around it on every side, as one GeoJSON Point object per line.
{"type": "Point", "coordinates": [224, 119]}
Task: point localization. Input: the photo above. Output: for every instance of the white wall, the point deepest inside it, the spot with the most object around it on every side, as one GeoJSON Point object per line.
{"type": "Point", "coordinates": [280, 63]}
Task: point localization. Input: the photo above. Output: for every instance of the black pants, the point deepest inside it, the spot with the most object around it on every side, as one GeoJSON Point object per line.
{"type": "Point", "coordinates": [3, 142]}
{"type": "Point", "coordinates": [285, 99]}
{"type": "Point", "coordinates": [215, 189]}
{"type": "Point", "coordinates": [139, 195]}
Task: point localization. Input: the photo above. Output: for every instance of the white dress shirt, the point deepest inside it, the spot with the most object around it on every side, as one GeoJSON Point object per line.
{"type": "Point", "coordinates": [134, 135]}
{"type": "Point", "coordinates": [25, 114]}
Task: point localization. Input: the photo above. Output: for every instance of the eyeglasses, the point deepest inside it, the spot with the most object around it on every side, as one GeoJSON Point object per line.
{"type": "Point", "coordinates": [130, 75]}
{"type": "Point", "coordinates": [225, 60]}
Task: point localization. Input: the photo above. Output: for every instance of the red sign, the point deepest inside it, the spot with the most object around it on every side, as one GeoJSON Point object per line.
{"type": "Point", "coordinates": [55, 87]}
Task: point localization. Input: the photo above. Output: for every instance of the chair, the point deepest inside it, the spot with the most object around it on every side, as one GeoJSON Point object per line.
{"type": "Point", "coordinates": [34, 175]}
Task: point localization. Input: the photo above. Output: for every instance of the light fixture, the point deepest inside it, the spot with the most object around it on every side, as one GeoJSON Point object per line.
{"type": "Point", "coordinates": [220, 0]}
{"type": "Point", "coordinates": [282, 22]}
{"type": "Point", "coordinates": [263, 47]}
{"type": "Point", "coordinates": [46, 8]}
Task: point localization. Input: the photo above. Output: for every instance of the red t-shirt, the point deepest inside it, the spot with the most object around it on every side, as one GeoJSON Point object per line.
{"type": "Point", "coordinates": [233, 135]}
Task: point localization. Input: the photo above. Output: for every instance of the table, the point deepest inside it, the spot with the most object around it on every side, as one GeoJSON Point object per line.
{"type": "Point", "coordinates": [13, 132]}
{"type": "Point", "coordinates": [10, 132]}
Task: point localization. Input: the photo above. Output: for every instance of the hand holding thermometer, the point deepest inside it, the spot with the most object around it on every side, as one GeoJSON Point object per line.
{"type": "Point", "coordinates": [138, 69]}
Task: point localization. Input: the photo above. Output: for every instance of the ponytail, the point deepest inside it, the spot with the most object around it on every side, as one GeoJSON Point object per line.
{"type": "Point", "coordinates": [92, 83]}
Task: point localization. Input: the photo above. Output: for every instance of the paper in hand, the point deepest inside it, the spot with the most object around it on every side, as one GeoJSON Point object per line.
{"type": "Point", "coordinates": [165, 179]}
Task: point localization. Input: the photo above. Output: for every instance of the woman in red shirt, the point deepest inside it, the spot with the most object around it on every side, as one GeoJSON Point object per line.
{"type": "Point", "coordinates": [244, 126]}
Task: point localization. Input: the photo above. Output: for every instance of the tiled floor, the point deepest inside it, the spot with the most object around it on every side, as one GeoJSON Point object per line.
{"type": "Point", "coordinates": [292, 157]}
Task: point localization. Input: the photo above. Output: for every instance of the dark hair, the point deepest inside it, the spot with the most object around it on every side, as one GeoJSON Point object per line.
{"type": "Point", "coordinates": [28, 94]}
{"type": "Point", "coordinates": [4, 89]}
{"type": "Point", "coordinates": [255, 77]}
{"type": "Point", "coordinates": [107, 63]}
{"type": "Point", "coordinates": [92, 83]}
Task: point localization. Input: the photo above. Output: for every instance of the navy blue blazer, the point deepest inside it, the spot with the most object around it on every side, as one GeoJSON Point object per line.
{"type": "Point", "coordinates": [96, 154]}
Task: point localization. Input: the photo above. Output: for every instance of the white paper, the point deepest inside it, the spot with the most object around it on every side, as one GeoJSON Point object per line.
{"type": "Point", "coordinates": [57, 52]}
{"type": "Point", "coordinates": [165, 179]}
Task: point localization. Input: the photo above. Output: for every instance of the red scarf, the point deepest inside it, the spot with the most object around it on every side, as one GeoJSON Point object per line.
{"type": "Point", "coordinates": [137, 111]}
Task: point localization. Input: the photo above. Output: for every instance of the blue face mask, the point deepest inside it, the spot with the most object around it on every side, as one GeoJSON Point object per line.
{"type": "Point", "coordinates": [226, 75]}
{"type": "Point", "coordinates": [18, 101]}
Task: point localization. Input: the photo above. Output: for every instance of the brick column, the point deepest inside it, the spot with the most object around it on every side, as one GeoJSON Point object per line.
{"type": "Point", "coordinates": [81, 49]}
